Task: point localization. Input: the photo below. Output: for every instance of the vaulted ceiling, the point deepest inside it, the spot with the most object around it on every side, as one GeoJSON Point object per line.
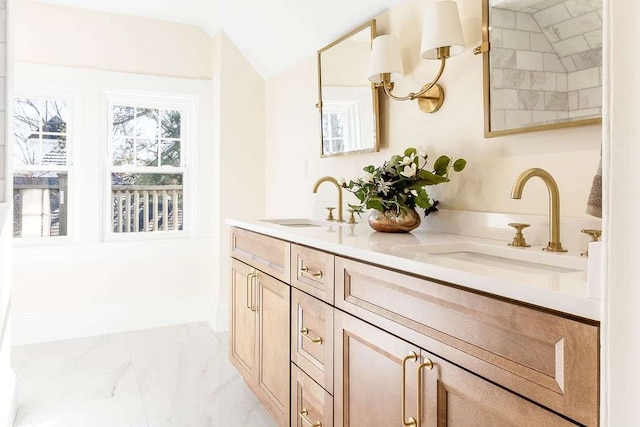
{"type": "Point", "coordinates": [272, 34]}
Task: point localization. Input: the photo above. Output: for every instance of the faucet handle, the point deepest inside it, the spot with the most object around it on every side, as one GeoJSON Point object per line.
{"type": "Point", "coordinates": [352, 218]}
{"type": "Point", "coordinates": [595, 236]}
{"type": "Point", "coordinates": [518, 239]}
{"type": "Point", "coordinates": [330, 215]}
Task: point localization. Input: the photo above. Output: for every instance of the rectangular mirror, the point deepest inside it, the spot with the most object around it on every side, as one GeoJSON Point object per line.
{"type": "Point", "coordinates": [542, 64]}
{"type": "Point", "coordinates": [348, 103]}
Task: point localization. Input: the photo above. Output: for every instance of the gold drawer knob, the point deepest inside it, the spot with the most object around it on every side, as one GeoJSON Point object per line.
{"type": "Point", "coordinates": [304, 271]}
{"type": "Point", "coordinates": [303, 416]}
{"type": "Point", "coordinates": [305, 334]}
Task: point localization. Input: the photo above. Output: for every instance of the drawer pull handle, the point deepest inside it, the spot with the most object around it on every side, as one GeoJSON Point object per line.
{"type": "Point", "coordinates": [428, 364]}
{"type": "Point", "coordinates": [411, 421]}
{"type": "Point", "coordinates": [303, 415]}
{"type": "Point", "coordinates": [305, 334]}
{"type": "Point", "coordinates": [304, 271]}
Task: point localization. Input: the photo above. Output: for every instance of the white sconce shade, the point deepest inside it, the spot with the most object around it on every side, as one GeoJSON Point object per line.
{"type": "Point", "coordinates": [441, 28]}
{"type": "Point", "coordinates": [385, 58]}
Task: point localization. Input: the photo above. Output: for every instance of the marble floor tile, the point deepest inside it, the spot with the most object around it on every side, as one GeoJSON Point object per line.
{"type": "Point", "coordinates": [120, 411]}
{"type": "Point", "coordinates": [172, 376]}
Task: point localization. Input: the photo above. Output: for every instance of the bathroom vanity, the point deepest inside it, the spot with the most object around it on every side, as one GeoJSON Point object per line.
{"type": "Point", "coordinates": [336, 325]}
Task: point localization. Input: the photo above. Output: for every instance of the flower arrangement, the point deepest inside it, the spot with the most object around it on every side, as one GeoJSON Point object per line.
{"type": "Point", "coordinates": [400, 183]}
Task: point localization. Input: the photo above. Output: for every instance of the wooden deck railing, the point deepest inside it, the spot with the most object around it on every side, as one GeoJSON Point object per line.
{"type": "Point", "coordinates": [145, 208]}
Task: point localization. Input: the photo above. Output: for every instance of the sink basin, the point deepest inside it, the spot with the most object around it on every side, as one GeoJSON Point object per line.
{"type": "Point", "coordinates": [300, 222]}
{"type": "Point", "coordinates": [530, 260]}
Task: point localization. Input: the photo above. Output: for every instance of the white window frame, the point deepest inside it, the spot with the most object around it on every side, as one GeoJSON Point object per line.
{"type": "Point", "coordinates": [42, 91]}
{"type": "Point", "coordinates": [187, 105]}
{"type": "Point", "coordinates": [351, 131]}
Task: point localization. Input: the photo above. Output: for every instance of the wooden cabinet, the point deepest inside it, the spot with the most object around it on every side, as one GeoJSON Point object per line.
{"type": "Point", "coordinates": [372, 387]}
{"type": "Point", "coordinates": [259, 336]}
{"type": "Point", "coordinates": [356, 345]}
{"type": "Point", "coordinates": [546, 357]}
{"type": "Point", "coordinates": [312, 337]}
{"type": "Point", "coordinates": [311, 405]}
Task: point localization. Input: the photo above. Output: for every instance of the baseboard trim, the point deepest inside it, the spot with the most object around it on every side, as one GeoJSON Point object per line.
{"type": "Point", "coordinates": [30, 328]}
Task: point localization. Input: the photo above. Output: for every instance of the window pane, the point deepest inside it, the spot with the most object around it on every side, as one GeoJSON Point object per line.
{"type": "Point", "coordinates": [146, 202]}
{"type": "Point", "coordinates": [170, 124]}
{"type": "Point", "coordinates": [27, 112]}
{"type": "Point", "coordinates": [123, 151]}
{"type": "Point", "coordinates": [337, 124]}
{"type": "Point", "coordinates": [146, 122]}
{"type": "Point", "coordinates": [123, 120]}
{"type": "Point", "coordinates": [54, 117]}
{"type": "Point", "coordinates": [40, 205]}
{"type": "Point", "coordinates": [146, 152]}
{"type": "Point", "coordinates": [54, 150]}
{"type": "Point", "coordinates": [171, 153]}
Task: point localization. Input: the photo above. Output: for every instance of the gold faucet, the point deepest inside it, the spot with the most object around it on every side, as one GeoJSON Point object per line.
{"type": "Point", "coordinates": [554, 203]}
{"type": "Point", "coordinates": [334, 182]}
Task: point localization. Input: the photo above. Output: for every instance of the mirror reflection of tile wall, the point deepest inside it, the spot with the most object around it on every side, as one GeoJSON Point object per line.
{"type": "Point", "coordinates": [546, 61]}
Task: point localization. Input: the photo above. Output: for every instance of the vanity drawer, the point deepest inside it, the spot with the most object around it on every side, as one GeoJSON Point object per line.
{"type": "Point", "coordinates": [545, 357]}
{"type": "Point", "coordinates": [311, 405]}
{"type": "Point", "coordinates": [313, 272]}
{"type": "Point", "coordinates": [312, 337]}
{"type": "Point", "coordinates": [265, 253]}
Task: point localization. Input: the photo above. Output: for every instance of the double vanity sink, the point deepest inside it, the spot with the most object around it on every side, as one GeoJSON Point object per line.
{"type": "Point", "coordinates": [457, 328]}
{"type": "Point", "coordinates": [551, 280]}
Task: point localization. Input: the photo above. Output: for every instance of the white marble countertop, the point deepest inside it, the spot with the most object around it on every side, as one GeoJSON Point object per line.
{"type": "Point", "coordinates": [563, 290]}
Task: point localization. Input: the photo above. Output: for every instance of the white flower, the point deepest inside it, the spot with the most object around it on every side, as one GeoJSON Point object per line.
{"type": "Point", "coordinates": [342, 182]}
{"type": "Point", "coordinates": [414, 192]}
{"type": "Point", "coordinates": [409, 171]}
{"type": "Point", "coordinates": [368, 178]}
{"type": "Point", "coordinates": [407, 160]}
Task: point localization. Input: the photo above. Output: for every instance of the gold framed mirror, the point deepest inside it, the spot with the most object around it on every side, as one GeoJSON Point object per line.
{"type": "Point", "coordinates": [542, 64]}
{"type": "Point", "coordinates": [347, 101]}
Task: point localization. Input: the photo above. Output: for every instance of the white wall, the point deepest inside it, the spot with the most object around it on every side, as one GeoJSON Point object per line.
{"type": "Point", "coordinates": [239, 169]}
{"type": "Point", "coordinates": [84, 286]}
{"type": "Point", "coordinates": [621, 344]}
{"type": "Point", "coordinates": [58, 35]}
{"type": "Point", "coordinates": [570, 155]}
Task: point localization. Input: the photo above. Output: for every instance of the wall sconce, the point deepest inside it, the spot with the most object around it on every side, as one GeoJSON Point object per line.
{"type": "Point", "coordinates": [441, 38]}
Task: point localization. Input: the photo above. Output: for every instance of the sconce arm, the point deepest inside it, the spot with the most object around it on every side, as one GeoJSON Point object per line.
{"type": "Point", "coordinates": [388, 86]}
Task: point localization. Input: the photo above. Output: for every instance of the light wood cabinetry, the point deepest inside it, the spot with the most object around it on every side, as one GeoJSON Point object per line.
{"type": "Point", "coordinates": [259, 326]}
{"type": "Point", "coordinates": [356, 345]}
{"type": "Point", "coordinates": [311, 405]}
{"type": "Point", "coordinates": [313, 272]}
{"type": "Point", "coordinates": [548, 358]}
{"type": "Point", "coordinates": [312, 337]}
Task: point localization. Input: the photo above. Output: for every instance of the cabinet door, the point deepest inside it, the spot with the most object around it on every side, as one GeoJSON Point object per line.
{"type": "Point", "coordinates": [453, 397]}
{"type": "Point", "coordinates": [242, 331]}
{"type": "Point", "coordinates": [272, 377]}
{"type": "Point", "coordinates": [312, 337]}
{"type": "Point", "coordinates": [368, 384]}
{"type": "Point", "coordinates": [311, 405]}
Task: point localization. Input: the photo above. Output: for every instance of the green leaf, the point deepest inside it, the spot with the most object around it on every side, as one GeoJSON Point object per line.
{"type": "Point", "coordinates": [423, 199]}
{"type": "Point", "coordinates": [429, 178]}
{"type": "Point", "coordinates": [440, 166]}
{"type": "Point", "coordinates": [375, 204]}
{"type": "Point", "coordinates": [369, 169]}
{"type": "Point", "coordinates": [459, 165]}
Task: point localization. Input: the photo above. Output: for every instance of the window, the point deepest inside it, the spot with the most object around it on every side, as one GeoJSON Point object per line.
{"type": "Point", "coordinates": [146, 167]}
{"type": "Point", "coordinates": [40, 150]}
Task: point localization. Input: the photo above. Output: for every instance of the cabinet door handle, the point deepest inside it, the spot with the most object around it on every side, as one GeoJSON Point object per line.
{"type": "Point", "coordinates": [411, 421]}
{"type": "Point", "coordinates": [250, 291]}
{"type": "Point", "coordinates": [254, 286]}
{"type": "Point", "coordinates": [305, 334]}
{"type": "Point", "coordinates": [304, 271]}
{"type": "Point", "coordinates": [428, 364]}
{"type": "Point", "coordinates": [303, 416]}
